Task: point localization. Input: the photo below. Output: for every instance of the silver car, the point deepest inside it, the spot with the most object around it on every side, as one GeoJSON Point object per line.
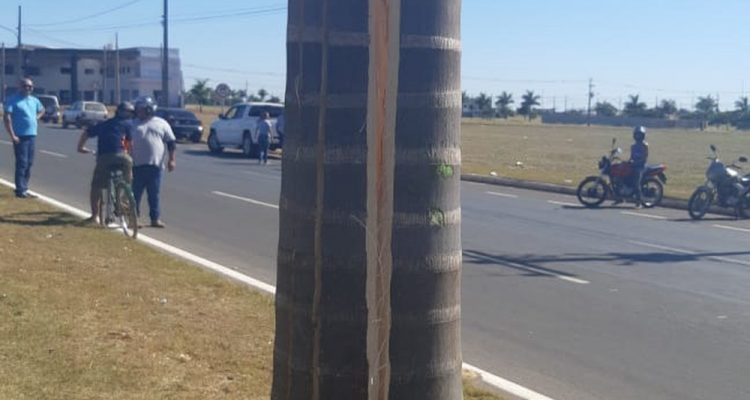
{"type": "Point", "coordinates": [84, 113]}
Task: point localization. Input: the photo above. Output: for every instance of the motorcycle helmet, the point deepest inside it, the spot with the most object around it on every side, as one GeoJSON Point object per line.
{"type": "Point", "coordinates": [125, 107]}
{"type": "Point", "coordinates": [639, 134]}
{"type": "Point", "coordinates": [146, 103]}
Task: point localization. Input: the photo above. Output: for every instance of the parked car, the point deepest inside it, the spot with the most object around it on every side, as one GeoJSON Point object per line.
{"type": "Point", "coordinates": [51, 108]}
{"type": "Point", "coordinates": [236, 128]}
{"type": "Point", "coordinates": [184, 123]}
{"type": "Point", "coordinates": [84, 113]}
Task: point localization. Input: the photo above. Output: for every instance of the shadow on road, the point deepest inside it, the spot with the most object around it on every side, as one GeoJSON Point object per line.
{"type": "Point", "coordinates": [538, 262]}
{"type": "Point", "coordinates": [39, 218]}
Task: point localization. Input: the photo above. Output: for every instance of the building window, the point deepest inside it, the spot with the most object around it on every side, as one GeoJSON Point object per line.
{"type": "Point", "coordinates": [65, 70]}
{"type": "Point", "coordinates": [8, 70]}
{"type": "Point", "coordinates": [88, 71]}
{"type": "Point", "coordinates": [31, 70]}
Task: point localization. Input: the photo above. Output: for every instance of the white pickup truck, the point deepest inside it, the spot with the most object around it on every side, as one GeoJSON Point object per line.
{"type": "Point", "coordinates": [84, 113]}
{"type": "Point", "coordinates": [236, 128]}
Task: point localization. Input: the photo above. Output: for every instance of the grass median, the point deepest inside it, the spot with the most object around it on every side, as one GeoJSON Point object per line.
{"type": "Point", "coordinates": [88, 314]}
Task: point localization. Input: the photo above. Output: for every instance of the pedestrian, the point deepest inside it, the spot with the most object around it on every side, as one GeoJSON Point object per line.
{"type": "Point", "coordinates": [638, 159]}
{"type": "Point", "coordinates": [113, 136]}
{"type": "Point", "coordinates": [263, 133]}
{"type": "Point", "coordinates": [21, 113]}
{"type": "Point", "coordinates": [152, 141]}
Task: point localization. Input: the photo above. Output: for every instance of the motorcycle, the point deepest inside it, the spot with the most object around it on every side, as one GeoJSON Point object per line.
{"type": "Point", "coordinates": [724, 186]}
{"type": "Point", "coordinates": [617, 178]}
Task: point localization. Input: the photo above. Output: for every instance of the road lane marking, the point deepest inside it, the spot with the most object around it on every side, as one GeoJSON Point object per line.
{"type": "Point", "coordinates": [245, 199]}
{"type": "Point", "coordinates": [635, 214]}
{"type": "Point", "coordinates": [491, 379]}
{"type": "Point", "coordinates": [732, 228]}
{"type": "Point", "coordinates": [660, 247]}
{"type": "Point", "coordinates": [540, 271]}
{"type": "Point", "coordinates": [6, 142]}
{"type": "Point", "coordinates": [510, 196]}
{"type": "Point", "coordinates": [692, 253]}
{"type": "Point", "coordinates": [511, 387]}
{"type": "Point", "coordinates": [562, 203]}
{"type": "Point", "coordinates": [53, 154]}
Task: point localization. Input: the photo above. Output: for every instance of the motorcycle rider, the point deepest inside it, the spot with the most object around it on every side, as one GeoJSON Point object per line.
{"type": "Point", "coordinates": [638, 158]}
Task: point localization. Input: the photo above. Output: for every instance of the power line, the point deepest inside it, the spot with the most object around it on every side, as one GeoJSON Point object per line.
{"type": "Point", "coordinates": [254, 12]}
{"type": "Point", "coordinates": [232, 71]}
{"type": "Point", "coordinates": [54, 39]}
{"type": "Point", "coordinates": [98, 14]}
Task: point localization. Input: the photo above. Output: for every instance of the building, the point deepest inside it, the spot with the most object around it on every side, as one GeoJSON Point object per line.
{"type": "Point", "coordinates": [86, 74]}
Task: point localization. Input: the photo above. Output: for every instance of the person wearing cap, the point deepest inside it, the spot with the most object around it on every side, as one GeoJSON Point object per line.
{"type": "Point", "coordinates": [113, 138]}
{"type": "Point", "coordinates": [152, 142]}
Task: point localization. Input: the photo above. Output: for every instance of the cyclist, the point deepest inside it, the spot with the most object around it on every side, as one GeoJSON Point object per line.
{"type": "Point", "coordinates": [113, 138]}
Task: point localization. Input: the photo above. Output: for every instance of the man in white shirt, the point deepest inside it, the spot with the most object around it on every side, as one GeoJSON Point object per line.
{"type": "Point", "coordinates": [151, 139]}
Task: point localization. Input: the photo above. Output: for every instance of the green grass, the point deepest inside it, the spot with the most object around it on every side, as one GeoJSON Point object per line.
{"type": "Point", "coordinates": [565, 154]}
{"type": "Point", "coordinates": [87, 314]}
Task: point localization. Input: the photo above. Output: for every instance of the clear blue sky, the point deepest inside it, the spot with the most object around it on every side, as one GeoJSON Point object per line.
{"type": "Point", "coordinates": [656, 48]}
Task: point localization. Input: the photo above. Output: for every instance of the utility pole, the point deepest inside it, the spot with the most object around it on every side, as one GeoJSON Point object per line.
{"type": "Point", "coordinates": [591, 96]}
{"type": "Point", "coordinates": [117, 70]}
{"type": "Point", "coordinates": [2, 75]}
{"type": "Point", "coordinates": [20, 52]}
{"type": "Point", "coordinates": [104, 75]}
{"type": "Point", "coordinates": [165, 59]}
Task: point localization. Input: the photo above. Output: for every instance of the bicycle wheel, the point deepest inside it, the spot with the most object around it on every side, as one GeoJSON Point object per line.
{"type": "Point", "coordinates": [125, 211]}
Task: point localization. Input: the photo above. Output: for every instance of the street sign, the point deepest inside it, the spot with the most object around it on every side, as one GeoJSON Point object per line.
{"type": "Point", "coordinates": [222, 90]}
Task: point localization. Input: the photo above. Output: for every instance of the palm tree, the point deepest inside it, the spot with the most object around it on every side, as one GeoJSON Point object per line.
{"type": "Point", "coordinates": [369, 256]}
{"type": "Point", "coordinates": [262, 94]}
{"type": "Point", "coordinates": [742, 105]}
{"type": "Point", "coordinates": [667, 108]}
{"type": "Point", "coordinates": [503, 103]}
{"type": "Point", "coordinates": [634, 107]}
{"type": "Point", "coordinates": [484, 103]}
{"type": "Point", "coordinates": [706, 107]}
{"type": "Point", "coordinates": [528, 101]}
{"type": "Point", "coordinates": [201, 92]}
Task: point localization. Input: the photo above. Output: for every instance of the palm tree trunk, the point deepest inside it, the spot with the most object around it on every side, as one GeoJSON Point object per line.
{"type": "Point", "coordinates": [368, 280]}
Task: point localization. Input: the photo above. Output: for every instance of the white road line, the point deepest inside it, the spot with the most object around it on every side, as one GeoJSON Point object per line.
{"type": "Point", "coordinates": [635, 214]}
{"type": "Point", "coordinates": [692, 253]}
{"type": "Point", "coordinates": [660, 247]}
{"type": "Point", "coordinates": [508, 386]}
{"type": "Point", "coordinates": [52, 153]}
{"type": "Point", "coordinates": [511, 196]}
{"type": "Point", "coordinates": [562, 203]}
{"type": "Point", "coordinates": [493, 380]}
{"type": "Point", "coordinates": [532, 269]}
{"type": "Point", "coordinates": [732, 228]}
{"type": "Point", "coordinates": [246, 200]}
{"type": "Point", "coordinates": [6, 142]}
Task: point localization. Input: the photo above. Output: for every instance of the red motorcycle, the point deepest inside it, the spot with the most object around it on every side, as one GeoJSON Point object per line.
{"type": "Point", "coordinates": [617, 179]}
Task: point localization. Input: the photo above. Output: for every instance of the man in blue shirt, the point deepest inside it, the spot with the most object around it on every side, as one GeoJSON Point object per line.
{"type": "Point", "coordinates": [113, 136]}
{"type": "Point", "coordinates": [21, 113]}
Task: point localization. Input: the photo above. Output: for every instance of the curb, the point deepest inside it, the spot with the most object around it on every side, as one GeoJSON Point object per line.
{"type": "Point", "coordinates": [666, 202]}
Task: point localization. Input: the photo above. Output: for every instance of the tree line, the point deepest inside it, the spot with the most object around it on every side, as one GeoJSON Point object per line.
{"type": "Point", "coordinates": [203, 94]}
{"type": "Point", "coordinates": [706, 109]}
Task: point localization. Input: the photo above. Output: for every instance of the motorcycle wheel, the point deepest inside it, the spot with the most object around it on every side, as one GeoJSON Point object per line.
{"type": "Point", "coordinates": [743, 206]}
{"type": "Point", "coordinates": [700, 201]}
{"type": "Point", "coordinates": [592, 191]}
{"type": "Point", "coordinates": [652, 192]}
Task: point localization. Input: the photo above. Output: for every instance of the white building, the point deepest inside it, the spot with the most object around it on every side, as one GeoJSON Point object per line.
{"type": "Point", "coordinates": [85, 74]}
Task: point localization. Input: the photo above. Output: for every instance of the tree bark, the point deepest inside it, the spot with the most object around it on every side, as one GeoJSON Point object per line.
{"type": "Point", "coordinates": [369, 257]}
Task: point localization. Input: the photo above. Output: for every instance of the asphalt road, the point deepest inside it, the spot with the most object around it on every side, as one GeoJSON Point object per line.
{"type": "Point", "coordinates": [576, 304]}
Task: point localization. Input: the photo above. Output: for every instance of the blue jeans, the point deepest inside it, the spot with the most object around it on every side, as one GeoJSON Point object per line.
{"type": "Point", "coordinates": [24, 152]}
{"type": "Point", "coordinates": [263, 145]}
{"type": "Point", "coordinates": [147, 177]}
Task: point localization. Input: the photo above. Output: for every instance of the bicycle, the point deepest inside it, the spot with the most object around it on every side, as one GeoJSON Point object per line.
{"type": "Point", "coordinates": [119, 206]}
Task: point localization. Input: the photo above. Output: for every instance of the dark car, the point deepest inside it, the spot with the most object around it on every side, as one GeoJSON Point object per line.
{"type": "Point", "coordinates": [184, 123]}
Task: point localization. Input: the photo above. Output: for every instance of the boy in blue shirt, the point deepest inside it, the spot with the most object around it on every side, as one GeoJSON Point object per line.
{"type": "Point", "coordinates": [21, 113]}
